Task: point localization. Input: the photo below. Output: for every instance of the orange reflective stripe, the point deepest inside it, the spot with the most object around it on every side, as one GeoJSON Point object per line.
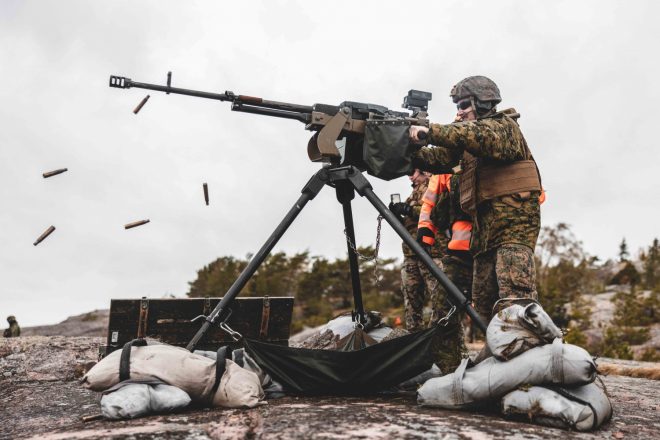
{"type": "Point", "coordinates": [461, 233]}
{"type": "Point", "coordinates": [428, 240]}
{"type": "Point", "coordinates": [425, 218]}
{"type": "Point", "coordinates": [429, 200]}
{"type": "Point", "coordinates": [431, 193]}
{"type": "Point", "coordinates": [461, 245]}
{"type": "Point", "coordinates": [462, 225]}
{"type": "Point", "coordinates": [438, 183]}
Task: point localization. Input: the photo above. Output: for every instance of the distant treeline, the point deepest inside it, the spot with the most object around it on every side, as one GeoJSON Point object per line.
{"type": "Point", "coordinates": [321, 286]}
{"type": "Point", "coordinates": [565, 272]}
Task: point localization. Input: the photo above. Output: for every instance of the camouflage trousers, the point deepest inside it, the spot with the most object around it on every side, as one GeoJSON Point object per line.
{"type": "Point", "coordinates": [419, 285]}
{"type": "Point", "coordinates": [415, 293]}
{"type": "Point", "coordinates": [507, 271]}
{"type": "Point", "coordinates": [458, 266]}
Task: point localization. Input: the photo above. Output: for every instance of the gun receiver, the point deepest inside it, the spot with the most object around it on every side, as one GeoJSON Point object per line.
{"type": "Point", "coordinates": [331, 123]}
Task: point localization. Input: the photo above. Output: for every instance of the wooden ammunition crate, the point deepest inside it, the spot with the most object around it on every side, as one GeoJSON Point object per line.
{"type": "Point", "coordinates": [169, 320]}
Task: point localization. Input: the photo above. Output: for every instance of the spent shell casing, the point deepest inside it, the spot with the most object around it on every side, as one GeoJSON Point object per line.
{"type": "Point", "coordinates": [206, 194]}
{"type": "Point", "coordinates": [141, 104]}
{"type": "Point", "coordinates": [48, 174]}
{"type": "Point", "coordinates": [135, 224]}
{"type": "Point", "coordinates": [43, 236]}
{"type": "Point", "coordinates": [92, 418]}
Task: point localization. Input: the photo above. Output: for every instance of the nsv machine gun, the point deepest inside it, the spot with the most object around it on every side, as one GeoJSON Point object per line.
{"type": "Point", "coordinates": [370, 137]}
{"type": "Point", "coordinates": [348, 138]}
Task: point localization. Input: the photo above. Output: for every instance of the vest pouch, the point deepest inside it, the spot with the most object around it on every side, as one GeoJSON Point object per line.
{"type": "Point", "coordinates": [468, 184]}
{"type": "Point", "coordinates": [511, 178]}
{"type": "Point", "coordinates": [387, 151]}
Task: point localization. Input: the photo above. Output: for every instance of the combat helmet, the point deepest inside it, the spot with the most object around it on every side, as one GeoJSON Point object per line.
{"type": "Point", "coordinates": [11, 318]}
{"type": "Point", "coordinates": [482, 90]}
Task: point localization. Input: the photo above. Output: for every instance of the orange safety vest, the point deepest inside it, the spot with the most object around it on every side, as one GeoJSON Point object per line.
{"type": "Point", "coordinates": [461, 230]}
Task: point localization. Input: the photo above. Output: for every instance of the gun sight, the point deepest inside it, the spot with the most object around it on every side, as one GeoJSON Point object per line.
{"type": "Point", "coordinates": [416, 100]}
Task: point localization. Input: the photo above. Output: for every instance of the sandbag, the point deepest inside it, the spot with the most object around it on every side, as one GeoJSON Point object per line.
{"type": "Point", "coordinates": [135, 399]}
{"type": "Point", "coordinates": [272, 388]}
{"type": "Point", "coordinates": [517, 328]}
{"type": "Point", "coordinates": [412, 384]}
{"type": "Point", "coordinates": [556, 363]}
{"type": "Point", "coordinates": [239, 388]}
{"type": "Point", "coordinates": [175, 366]}
{"type": "Point", "coordinates": [582, 408]}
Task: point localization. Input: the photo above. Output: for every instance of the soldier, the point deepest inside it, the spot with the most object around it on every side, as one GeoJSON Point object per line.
{"type": "Point", "coordinates": [14, 330]}
{"type": "Point", "coordinates": [413, 286]}
{"type": "Point", "coordinates": [442, 220]}
{"type": "Point", "coordinates": [500, 189]}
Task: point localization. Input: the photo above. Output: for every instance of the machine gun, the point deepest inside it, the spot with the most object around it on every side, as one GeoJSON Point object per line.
{"type": "Point", "coordinates": [350, 138]}
{"type": "Point", "coordinates": [370, 137]}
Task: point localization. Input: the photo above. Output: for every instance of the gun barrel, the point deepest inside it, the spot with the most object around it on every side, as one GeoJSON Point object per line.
{"type": "Point", "coordinates": [177, 90]}
{"type": "Point", "coordinates": [242, 103]}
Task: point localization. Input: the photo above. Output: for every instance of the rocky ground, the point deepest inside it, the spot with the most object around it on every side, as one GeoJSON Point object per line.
{"type": "Point", "coordinates": [603, 308]}
{"type": "Point", "coordinates": [41, 398]}
{"type": "Point", "coordinates": [94, 323]}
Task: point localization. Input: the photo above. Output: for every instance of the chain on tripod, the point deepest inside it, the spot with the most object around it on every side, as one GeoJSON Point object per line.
{"type": "Point", "coordinates": [374, 257]}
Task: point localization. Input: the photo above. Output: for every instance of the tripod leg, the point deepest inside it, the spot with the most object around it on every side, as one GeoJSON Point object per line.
{"type": "Point", "coordinates": [311, 189]}
{"type": "Point", "coordinates": [345, 194]}
{"type": "Point", "coordinates": [363, 188]}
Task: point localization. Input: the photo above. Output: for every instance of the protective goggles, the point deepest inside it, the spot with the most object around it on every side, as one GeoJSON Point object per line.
{"type": "Point", "coordinates": [464, 104]}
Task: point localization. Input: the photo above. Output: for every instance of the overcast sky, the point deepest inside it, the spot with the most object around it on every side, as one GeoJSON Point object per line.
{"type": "Point", "coordinates": [583, 75]}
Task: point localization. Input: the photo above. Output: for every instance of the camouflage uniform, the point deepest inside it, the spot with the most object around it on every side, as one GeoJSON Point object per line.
{"type": "Point", "coordinates": [14, 330]}
{"type": "Point", "coordinates": [505, 228]}
{"type": "Point", "coordinates": [415, 289]}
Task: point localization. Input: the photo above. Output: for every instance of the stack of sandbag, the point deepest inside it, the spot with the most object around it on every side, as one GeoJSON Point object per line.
{"type": "Point", "coordinates": [204, 381]}
{"type": "Point", "coordinates": [522, 369]}
{"type": "Point", "coordinates": [556, 363]}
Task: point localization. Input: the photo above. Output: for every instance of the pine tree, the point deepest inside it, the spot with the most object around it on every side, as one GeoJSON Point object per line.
{"type": "Point", "coordinates": [652, 266]}
{"type": "Point", "coordinates": [623, 250]}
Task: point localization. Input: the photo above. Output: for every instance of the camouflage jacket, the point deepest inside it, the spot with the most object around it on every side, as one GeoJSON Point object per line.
{"type": "Point", "coordinates": [513, 219]}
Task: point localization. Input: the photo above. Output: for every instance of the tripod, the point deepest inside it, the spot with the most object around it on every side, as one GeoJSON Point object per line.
{"type": "Point", "coordinates": [346, 180]}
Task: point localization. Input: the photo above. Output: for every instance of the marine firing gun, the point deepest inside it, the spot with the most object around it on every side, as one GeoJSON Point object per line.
{"type": "Point", "coordinates": [370, 137]}
{"type": "Point", "coordinates": [349, 138]}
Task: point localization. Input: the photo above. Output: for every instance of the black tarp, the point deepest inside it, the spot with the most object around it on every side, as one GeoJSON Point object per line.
{"type": "Point", "coordinates": [322, 372]}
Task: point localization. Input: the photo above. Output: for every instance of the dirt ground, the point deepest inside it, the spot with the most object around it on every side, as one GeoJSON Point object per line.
{"type": "Point", "coordinates": [41, 398]}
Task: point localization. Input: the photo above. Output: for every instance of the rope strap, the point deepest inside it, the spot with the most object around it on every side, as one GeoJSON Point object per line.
{"type": "Point", "coordinates": [223, 354]}
{"type": "Point", "coordinates": [125, 360]}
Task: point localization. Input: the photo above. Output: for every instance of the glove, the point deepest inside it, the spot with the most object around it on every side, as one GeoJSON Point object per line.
{"type": "Point", "coordinates": [401, 209]}
{"type": "Point", "coordinates": [426, 238]}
